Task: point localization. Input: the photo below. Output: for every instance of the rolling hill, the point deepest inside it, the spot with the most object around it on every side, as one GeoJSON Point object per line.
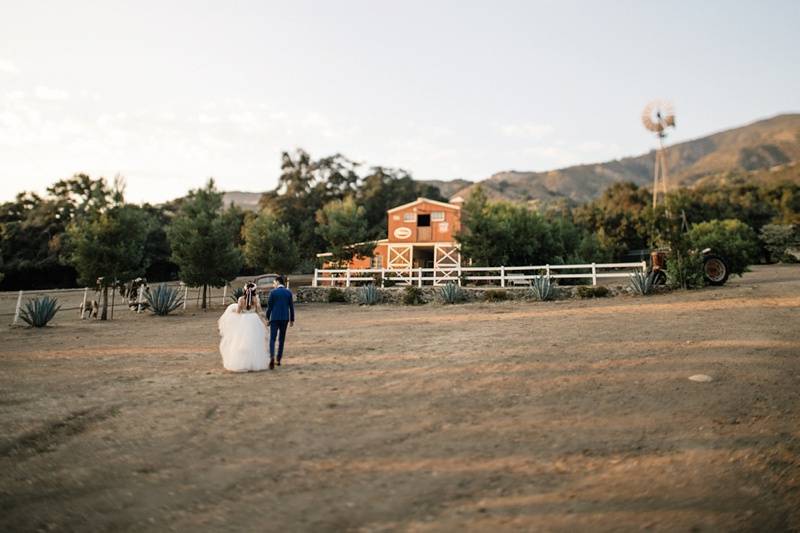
{"type": "Point", "coordinates": [773, 143]}
{"type": "Point", "coordinates": [767, 150]}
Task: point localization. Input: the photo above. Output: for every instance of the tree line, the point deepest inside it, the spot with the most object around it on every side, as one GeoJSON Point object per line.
{"type": "Point", "coordinates": [83, 230]}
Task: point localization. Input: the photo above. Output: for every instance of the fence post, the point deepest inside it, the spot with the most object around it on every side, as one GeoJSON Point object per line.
{"type": "Point", "coordinates": [547, 270]}
{"type": "Point", "coordinates": [419, 274]}
{"type": "Point", "coordinates": [113, 297]}
{"type": "Point", "coordinates": [458, 270]}
{"type": "Point", "coordinates": [502, 276]}
{"type": "Point", "coordinates": [314, 281]}
{"type": "Point", "coordinates": [139, 299]}
{"type": "Point", "coordinates": [185, 295]}
{"type": "Point", "coordinates": [83, 305]}
{"type": "Point", "coordinates": [224, 294]}
{"type": "Point", "coordinates": [383, 277]}
{"type": "Point", "coordinates": [347, 280]}
{"type": "Point", "coordinates": [594, 274]}
{"type": "Point", "coordinates": [19, 306]}
{"type": "Point", "coordinates": [644, 267]}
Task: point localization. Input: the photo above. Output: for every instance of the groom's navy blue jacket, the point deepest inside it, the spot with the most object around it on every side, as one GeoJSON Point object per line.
{"type": "Point", "coordinates": [279, 305]}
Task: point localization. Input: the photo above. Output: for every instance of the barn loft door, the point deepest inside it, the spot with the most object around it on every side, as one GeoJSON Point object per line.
{"type": "Point", "coordinates": [446, 262]}
{"type": "Point", "coordinates": [399, 259]}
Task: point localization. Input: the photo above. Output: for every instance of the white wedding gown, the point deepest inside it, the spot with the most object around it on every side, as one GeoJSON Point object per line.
{"type": "Point", "coordinates": [244, 340]}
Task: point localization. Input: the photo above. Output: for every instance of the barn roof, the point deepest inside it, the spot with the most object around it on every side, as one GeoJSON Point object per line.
{"type": "Point", "coordinates": [426, 201]}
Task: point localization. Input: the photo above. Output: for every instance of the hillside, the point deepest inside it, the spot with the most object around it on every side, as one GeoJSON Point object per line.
{"type": "Point", "coordinates": [767, 150]}
{"type": "Point", "coordinates": [748, 150]}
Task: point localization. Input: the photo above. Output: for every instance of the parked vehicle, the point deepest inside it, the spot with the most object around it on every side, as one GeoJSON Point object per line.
{"type": "Point", "coordinates": [264, 283]}
{"type": "Point", "coordinates": [715, 268]}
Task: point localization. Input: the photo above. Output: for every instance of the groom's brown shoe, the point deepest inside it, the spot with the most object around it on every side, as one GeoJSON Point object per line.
{"type": "Point", "coordinates": [271, 364]}
{"type": "Point", "coordinates": [279, 362]}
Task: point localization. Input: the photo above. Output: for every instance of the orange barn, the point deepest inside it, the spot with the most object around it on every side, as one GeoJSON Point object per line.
{"type": "Point", "coordinates": [420, 235]}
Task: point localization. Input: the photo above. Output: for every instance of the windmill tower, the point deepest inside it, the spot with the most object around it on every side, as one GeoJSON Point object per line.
{"type": "Point", "coordinates": [657, 117]}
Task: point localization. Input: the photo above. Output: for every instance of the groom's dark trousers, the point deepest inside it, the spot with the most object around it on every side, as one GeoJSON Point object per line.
{"type": "Point", "coordinates": [280, 311]}
{"type": "Point", "coordinates": [277, 328]}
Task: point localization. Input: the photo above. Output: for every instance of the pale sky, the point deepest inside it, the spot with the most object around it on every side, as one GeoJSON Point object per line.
{"type": "Point", "coordinates": [169, 93]}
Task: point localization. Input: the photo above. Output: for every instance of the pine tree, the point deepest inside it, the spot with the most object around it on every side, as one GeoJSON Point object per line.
{"type": "Point", "coordinates": [269, 245]}
{"type": "Point", "coordinates": [109, 247]}
{"type": "Point", "coordinates": [202, 238]}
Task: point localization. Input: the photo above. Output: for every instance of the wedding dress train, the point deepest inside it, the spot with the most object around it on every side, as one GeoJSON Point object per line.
{"type": "Point", "coordinates": [244, 340]}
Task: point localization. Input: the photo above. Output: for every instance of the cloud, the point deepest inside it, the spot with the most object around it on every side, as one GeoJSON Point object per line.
{"type": "Point", "coordinates": [528, 130]}
{"type": "Point", "coordinates": [8, 67]}
{"type": "Point", "coordinates": [47, 93]}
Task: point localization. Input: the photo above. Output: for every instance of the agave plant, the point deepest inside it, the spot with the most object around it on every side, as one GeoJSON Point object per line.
{"type": "Point", "coordinates": [543, 288]}
{"type": "Point", "coordinates": [39, 311]}
{"type": "Point", "coordinates": [237, 293]}
{"type": "Point", "coordinates": [368, 295]}
{"type": "Point", "coordinates": [643, 284]}
{"type": "Point", "coordinates": [451, 293]}
{"type": "Point", "coordinates": [164, 299]}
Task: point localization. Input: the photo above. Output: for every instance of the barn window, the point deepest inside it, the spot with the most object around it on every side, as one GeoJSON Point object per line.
{"type": "Point", "coordinates": [376, 261]}
{"type": "Point", "coordinates": [437, 216]}
{"type": "Point", "coordinates": [423, 221]}
{"type": "Point", "coordinates": [408, 217]}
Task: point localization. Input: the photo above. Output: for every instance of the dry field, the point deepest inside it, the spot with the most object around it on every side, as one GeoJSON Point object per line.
{"type": "Point", "coordinates": [512, 416]}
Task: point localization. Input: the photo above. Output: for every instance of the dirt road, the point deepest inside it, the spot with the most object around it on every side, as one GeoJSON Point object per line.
{"type": "Point", "coordinates": [566, 416]}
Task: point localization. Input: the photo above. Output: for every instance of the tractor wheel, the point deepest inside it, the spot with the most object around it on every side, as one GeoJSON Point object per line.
{"type": "Point", "coordinates": [659, 277]}
{"type": "Point", "coordinates": [715, 270]}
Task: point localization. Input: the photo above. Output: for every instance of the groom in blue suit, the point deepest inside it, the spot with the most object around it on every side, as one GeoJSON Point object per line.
{"type": "Point", "coordinates": [280, 313]}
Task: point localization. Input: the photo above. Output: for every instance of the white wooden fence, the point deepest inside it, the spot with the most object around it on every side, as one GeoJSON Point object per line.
{"type": "Point", "coordinates": [518, 276]}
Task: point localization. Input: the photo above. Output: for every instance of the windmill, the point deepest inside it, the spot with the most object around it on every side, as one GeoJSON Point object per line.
{"type": "Point", "coordinates": [657, 117]}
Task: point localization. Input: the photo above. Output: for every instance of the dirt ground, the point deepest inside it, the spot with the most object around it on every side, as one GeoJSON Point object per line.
{"type": "Point", "coordinates": [562, 416]}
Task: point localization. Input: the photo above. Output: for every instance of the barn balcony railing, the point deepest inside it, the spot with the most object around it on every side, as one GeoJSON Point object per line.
{"type": "Point", "coordinates": [511, 277]}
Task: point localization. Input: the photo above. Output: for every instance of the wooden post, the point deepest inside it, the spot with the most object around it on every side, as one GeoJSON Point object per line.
{"type": "Point", "coordinates": [139, 299]}
{"type": "Point", "coordinates": [113, 297]}
{"type": "Point", "coordinates": [644, 267]}
{"type": "Point", "coordinates": [83, 305]}
{"type": "Point", "coordinates": [594, 274]}
{"type": "Point", "coordinates": [502, 276]}
{"type": "Point", "coordinates": [224, 294]}
{"type": "Point", "coordinates": [314, 281]}
{"type": "Point", "coordinates": [185, 295]}
{"type": "Point", "coordinates": [347, 280]}
{"type": "Point", "coordinates": [419, 276]}
{"type": "Point", "coordinates": [458, 270]}
{"type": "Point", "coordinates": [383, 277]}
{"type": "Point", "coordinates": [19, 306]}
{"type": "Point", "coordinates": [547, 270]}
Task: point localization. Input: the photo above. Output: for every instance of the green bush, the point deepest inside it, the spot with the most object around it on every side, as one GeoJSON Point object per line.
{"type": "Point", "coordinates": [685, 269]}
{"type": "Point", "coordinates": [163, 299]}
{"type": "Point", "coordinates": [495, 295]}
{"type": "Point", "coordinates": [589, 291]}
{"type": "Point", "coordinates": [732, 239]}
{"type": "Point", "coordinates": [39, 311]}
{"type": "Point", "coordinates": [451, 293]}
{"type": "Point", "coordinates": [368, 295]}
{"type": "Point", "coordinates": [412, 295]}
{"type": "Point", "coordinates": [782, 242]}
{"type": "Point", "coordinates": [543, 288]}
{"type": "Point", "coordinates": [336, 295]}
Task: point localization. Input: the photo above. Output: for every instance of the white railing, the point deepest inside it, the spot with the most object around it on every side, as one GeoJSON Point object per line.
{"type": "Point", "coordinates": [506, 276]}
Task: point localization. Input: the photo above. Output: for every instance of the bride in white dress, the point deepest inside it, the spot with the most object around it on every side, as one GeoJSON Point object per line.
{"type": "Point", "coordinates": [244, 334]}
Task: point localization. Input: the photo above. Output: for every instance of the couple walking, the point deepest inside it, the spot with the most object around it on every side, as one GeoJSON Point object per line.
{"type": "Point", "coordinates": [244, 329]}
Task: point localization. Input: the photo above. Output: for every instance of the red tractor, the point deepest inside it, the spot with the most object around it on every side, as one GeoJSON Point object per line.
{"type": "Point", "coordinates": [715, 268]}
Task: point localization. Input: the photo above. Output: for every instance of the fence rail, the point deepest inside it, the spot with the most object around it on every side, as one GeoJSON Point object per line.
{"type": "Point", "coordinates": [75, 299]}
{"type": "Point", "coordinates": [506, 276]}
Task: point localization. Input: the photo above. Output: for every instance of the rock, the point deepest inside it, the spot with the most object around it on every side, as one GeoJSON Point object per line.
{"type": "Point", "coordinates": [701, 378]}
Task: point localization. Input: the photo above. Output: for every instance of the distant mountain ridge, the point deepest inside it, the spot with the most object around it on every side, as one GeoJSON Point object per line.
{"type": "Point", "coordinates": [762, 145]}
{"type": "Point", "coordinates": [752, 150]}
